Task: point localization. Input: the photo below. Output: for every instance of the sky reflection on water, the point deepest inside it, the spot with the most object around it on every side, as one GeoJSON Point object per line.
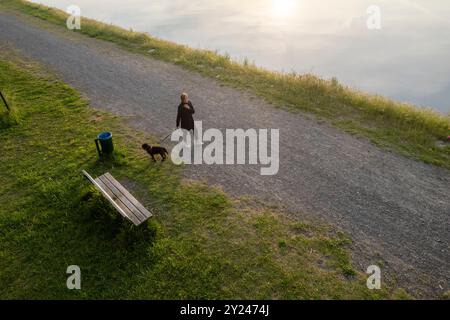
{"type": "Point", "coordinates": [408, 59]}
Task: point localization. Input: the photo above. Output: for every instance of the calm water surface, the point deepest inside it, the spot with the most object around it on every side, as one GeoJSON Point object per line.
{"type": "Point", "coordinates": [408, 59]}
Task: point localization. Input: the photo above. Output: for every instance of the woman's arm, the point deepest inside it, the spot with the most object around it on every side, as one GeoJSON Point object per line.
{"type": "Point", "coordinates": [178, 116]}
{"type": "Point", "coordinates": [192, 107]}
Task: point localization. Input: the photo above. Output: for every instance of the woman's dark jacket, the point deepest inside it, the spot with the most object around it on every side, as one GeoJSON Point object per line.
{"type": "Point", "coordinates": [185, 116]}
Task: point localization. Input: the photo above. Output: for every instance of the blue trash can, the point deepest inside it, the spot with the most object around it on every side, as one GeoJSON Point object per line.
{"type": "Point", "coordinates": [106, 146]}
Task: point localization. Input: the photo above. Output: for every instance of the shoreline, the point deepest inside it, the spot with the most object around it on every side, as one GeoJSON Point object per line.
{"type": "Point", "coordinates": [240, 58]}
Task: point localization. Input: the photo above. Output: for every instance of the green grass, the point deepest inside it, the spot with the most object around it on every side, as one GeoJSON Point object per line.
{"type": "Point", "coordinates": [409, 130]}
{"type": "Point", "coordinates": [200, 243]}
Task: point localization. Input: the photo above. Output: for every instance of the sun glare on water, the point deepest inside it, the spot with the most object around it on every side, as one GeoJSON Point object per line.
{"type": "Point", "coordinates": [283, 8]}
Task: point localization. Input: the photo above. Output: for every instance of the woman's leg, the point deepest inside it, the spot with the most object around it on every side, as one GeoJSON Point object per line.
{"type": "Point", "coordinates": [187, 133]}
{"type": "Point", "coordinates": [196, 137]}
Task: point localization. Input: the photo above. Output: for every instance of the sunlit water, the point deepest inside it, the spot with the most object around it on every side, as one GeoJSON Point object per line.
{"type": "Point", "coordinates": [408, 59]}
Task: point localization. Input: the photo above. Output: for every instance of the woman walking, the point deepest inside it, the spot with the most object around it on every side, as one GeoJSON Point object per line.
{"type": "Point", "coordinates": [185, 112]}
{"type": "Point", "coordinates": [184, 115]}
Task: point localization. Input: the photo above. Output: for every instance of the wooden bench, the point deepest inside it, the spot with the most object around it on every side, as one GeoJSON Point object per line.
{"type": "Point", "coordinates": [120, 198]}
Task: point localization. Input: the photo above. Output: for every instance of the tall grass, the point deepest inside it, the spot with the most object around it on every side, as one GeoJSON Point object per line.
{"type": "Point", "coordinates": [408, 129]}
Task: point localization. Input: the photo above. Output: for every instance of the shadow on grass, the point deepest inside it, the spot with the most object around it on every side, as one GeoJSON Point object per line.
{"type": "Point", "coordinates": [8, 119]}
{"type": "Point", "coordinates": [111, 226]}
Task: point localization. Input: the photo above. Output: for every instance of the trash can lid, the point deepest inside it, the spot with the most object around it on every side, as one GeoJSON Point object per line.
{"type": "Point", "coordinates": [105, 135]}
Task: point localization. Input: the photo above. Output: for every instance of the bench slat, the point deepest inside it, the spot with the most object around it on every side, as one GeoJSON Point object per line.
{"type": "Point", "coordinates": [147, 214]}
{"type": "Point", "coordinates": [121, 197]}
{"type": "Point", "coordinates": [103, 191]}
{"type": "Point", "coordinates": [128, 214]}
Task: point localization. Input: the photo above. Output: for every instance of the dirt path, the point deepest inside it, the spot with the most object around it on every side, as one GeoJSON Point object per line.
{"type": "Point", "coordinates": [396, 209]}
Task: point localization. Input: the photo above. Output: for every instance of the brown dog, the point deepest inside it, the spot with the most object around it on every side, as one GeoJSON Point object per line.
{"type": "Point", "coordinates": [152, 151]}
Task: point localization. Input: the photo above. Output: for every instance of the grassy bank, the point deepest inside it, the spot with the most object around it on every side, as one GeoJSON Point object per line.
{"type": "Point", "coordinates": [414, 132]}
{"type": "Point", "coordinates": [200, 244]}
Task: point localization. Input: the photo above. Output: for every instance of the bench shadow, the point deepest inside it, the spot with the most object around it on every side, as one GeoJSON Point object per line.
{"type": "Point", "coordinates": [110, 225]}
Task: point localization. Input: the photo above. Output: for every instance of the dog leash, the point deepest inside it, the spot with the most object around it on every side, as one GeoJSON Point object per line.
{"type": "Point", "coordinates": [165, 138]}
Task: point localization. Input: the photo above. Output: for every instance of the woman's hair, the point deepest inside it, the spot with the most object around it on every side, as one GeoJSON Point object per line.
{"type": "Point", "coordinates": [184, 96]}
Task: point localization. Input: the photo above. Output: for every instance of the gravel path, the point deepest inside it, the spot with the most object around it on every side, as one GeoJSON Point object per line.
{"type": "Point", "coordinates": [395, 209]}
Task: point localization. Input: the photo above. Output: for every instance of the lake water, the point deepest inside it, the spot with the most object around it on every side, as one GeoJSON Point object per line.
{"type": "Point", "coordinates": [407, 59]}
